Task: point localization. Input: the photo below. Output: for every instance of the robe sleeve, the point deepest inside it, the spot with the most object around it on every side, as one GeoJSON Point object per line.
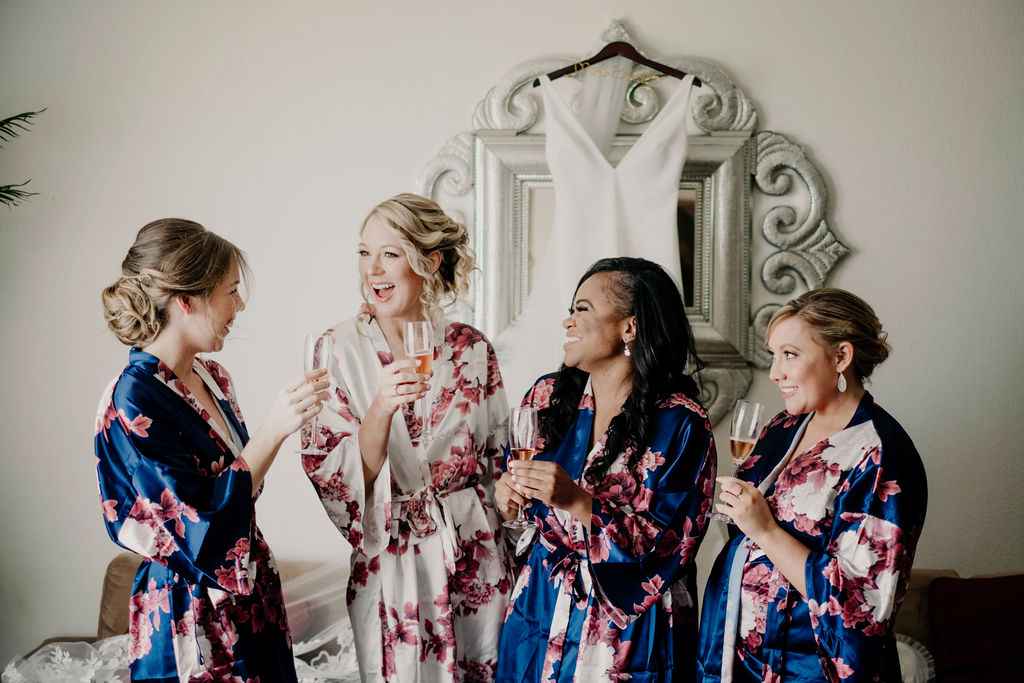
{"type": "Point", "coordinates": [497, 430]}
{"type": "Point", "coordinates": [641, 544]}
{"type": "Point", "coordinates": [855, 587]}
{"type": "Point", "coordinates": [363, 521]}
{"type": "Point", "coordinates": [155, 500]}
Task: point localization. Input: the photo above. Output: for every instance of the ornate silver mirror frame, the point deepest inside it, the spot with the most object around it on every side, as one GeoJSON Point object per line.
{"type": "Point", "coordinates": [489, 175]}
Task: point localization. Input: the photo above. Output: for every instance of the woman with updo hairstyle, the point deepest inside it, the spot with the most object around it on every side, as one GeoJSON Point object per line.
{"type": "Point", "coordinates": [178, 471]}
{"type": "Point", "coordinates": [620, 490]}
{"type": "Point", "coordinates": [429, 581]}
{"type": "Point", "coordinates": [827, 509]}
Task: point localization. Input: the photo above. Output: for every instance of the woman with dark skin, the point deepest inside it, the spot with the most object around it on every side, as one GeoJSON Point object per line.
{"type": "Point", "coordinates": [620, 490]}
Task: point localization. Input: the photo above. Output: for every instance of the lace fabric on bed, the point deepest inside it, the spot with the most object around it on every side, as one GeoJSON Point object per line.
{"type": "Point", "coordinates": [321, 634]}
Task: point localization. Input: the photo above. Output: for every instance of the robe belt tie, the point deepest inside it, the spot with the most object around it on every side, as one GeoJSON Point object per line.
{"type": "Point", "coordinates": [573, 570]}
{"type": "Point", "coordinates": [427, 513]}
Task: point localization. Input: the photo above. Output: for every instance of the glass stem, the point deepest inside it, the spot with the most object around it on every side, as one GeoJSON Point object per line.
{"type": "Point", "coordinates": [426, 419]}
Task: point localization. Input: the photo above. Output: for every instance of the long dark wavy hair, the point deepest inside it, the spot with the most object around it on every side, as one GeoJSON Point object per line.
{"type": "Point", "coordinates": [663, 355]}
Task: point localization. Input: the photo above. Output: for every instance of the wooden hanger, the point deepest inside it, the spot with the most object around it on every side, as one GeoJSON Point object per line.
{"type": "Point", "coordinates": [617, 49]}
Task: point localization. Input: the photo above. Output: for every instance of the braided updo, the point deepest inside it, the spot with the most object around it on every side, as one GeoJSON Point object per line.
{"type": "Point", "coordinates": [170, 257]}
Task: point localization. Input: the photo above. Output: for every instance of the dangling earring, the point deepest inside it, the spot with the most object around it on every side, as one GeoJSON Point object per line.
{"type": "Point", "coordinates": [842, 382]}
{"type": "Point", "coordinates": [625, 349]}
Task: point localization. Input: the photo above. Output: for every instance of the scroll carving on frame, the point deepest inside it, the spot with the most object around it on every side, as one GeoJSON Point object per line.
{"type": "Point", "coordinates": [495, 177]}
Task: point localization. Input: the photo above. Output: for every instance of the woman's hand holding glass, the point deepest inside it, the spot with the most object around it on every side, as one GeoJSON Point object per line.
{"type": "Point", "coordinates": [745, 506]}
{"type": "Point", "coordinates": [296, 404]}
{"type": "Point", "coordinates": [522, 444]}
{"type": "Point", "coordinates": [547, 482]}
{"type": "Point", "coordinates": [747, 421]}
{"type": "Point", "coordinates": [510, 501]}
{"type": "Point", "coordinates": [540, 479]}
{"type": "Point", "coordinates": [400, 383]}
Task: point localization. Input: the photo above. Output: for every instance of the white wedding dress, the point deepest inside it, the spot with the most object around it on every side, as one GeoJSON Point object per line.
{"type": "Point", "coordinates": [600, 210]}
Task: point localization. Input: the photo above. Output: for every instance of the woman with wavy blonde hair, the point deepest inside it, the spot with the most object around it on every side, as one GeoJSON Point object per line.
{"type": "Point", "coordinates": [429, 582]}
{"type": "Point", "coordinates": [178, 471]}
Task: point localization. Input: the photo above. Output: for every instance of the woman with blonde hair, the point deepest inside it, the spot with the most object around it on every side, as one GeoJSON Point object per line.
{"type": "Point", "coordinates": [178, 471]}
{"type": "Point", "coordinates": [828, 509]}
{"type": "Point", "coordinates": [429, 581]}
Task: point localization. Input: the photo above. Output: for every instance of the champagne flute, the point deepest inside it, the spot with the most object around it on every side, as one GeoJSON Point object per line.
{"type": "Point", "coordinates": [747, 420]}
{"type": "Point", "coordinates": [522, 444]}
{"type": "Point", "coordinates": [317, 354]}
{"type": "Point", "coordinates": [419, 346]}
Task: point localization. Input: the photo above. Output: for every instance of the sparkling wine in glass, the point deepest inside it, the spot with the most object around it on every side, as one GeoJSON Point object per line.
{"type": "Point", "coordinates": [747, 420]}
{"type": "Point", "coordinates": [522, 444]}
{"type": "Point", "coordinates": [317, 355]}
{"type": "Point", "coordinates": [419, 346]}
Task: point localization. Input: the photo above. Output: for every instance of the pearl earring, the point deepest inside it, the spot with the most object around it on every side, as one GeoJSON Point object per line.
{"type": "Point", "coordinates": [625, 349]}
{"type": "Point", "coordinates": [842, 382]}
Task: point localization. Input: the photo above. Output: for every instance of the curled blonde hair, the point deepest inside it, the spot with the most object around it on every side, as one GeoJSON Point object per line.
{"type": "Point", "coordinates": [836, 316]}
{"type": "Point", "coordinates": [423, 227]}
{"type": "Point", "coordinates": [170, 257]}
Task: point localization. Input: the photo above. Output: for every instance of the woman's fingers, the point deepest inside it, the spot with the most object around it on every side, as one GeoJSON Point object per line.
{"type": "Point", "coordinates": [305, 378]}
{"type": "Point", "coordinates": [408, 390]}
{"type": "Point", "coordinates": [535, 478]}
{"type": "Point", "coordinates": [516, 494]}
{"type": "Point", "coordinates": [508, 498]}
{"type": "Point", "coordinates": [313, 391]}
{"type": "Point", "coordinates": [404, 382]}
{"type": "Point", "coordinates": [310, 388]}
{"type": "Point", "coordinates": [313, 400]}
{"type": "Point", "coordinates": [400, 384]}
{"type": "Point", "coordinates": [731, 488]}
{"type": "Point", "coordinates": [744, 503]}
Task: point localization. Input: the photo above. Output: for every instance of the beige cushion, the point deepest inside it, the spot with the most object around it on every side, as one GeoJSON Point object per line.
{"type": "Point", "coordinates": [117, 589]}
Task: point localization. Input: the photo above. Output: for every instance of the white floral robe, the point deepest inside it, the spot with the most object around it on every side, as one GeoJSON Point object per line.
{"type": "Point", "coordinates": [430, 574]}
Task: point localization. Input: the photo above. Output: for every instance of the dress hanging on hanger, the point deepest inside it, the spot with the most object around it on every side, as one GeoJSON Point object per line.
{"type": "Point", "coordinates": [601, 210]}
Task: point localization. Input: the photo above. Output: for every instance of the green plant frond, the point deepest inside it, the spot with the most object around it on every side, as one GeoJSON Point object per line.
{"type": "Point", "coordinates": [11, 127]}
{"type": "Point", "coordinates": [10, 195]}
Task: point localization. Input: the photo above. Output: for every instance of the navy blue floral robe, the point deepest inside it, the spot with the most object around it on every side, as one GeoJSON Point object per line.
{"type": "Point", "coordinates": [206, 604]}
{"type": "Point", "coordinates": [618, 602]}
{"type": "Point", "coordinates": [857, 500]}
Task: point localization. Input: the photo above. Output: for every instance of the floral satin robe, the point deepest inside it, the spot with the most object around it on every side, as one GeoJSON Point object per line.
{"type": "Point", "coordinates": [619, 602]}
{"type": "Point", "coordinates": [430, 574]}
{"type": "Point", "coordinates": [857, 499]}
{"type": "Point", "coordinates": [206, 604]}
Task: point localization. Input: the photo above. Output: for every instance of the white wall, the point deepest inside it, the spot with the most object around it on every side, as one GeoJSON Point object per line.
{"type": "Point", "coordinates": [279, 125]}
